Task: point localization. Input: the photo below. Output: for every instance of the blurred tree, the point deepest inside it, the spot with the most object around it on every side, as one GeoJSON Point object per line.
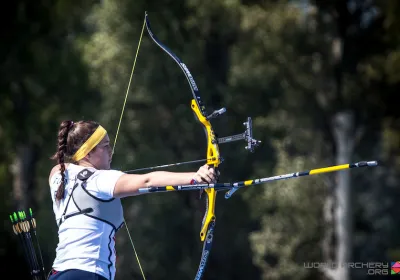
{"type": "Point", "coordinates": [362, 30]}
{"type": "Point", "coordinates": [310, 60]}
{"type": "Point", "coordinates": [270, 63]}
{"type": "Point", "coordinates": [42, 81]}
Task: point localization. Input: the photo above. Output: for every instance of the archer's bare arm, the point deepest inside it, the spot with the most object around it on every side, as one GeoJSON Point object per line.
{"type": "Point", "coordinates": [129, 184]}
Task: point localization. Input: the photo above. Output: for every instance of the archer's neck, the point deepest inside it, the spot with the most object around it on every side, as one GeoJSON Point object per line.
{"type": "Point", "coordinates": [85, 163]}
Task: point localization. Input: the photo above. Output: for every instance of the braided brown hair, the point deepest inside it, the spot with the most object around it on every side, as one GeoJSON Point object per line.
{"type": "Point", "coordinates": [71, 136]}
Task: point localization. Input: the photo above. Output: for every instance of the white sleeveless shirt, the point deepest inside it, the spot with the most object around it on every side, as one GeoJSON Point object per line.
{"type": "Point", "coordinates": [85, 243]}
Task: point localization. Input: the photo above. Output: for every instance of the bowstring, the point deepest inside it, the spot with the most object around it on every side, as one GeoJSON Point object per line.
{"type": "Point", "coordinates": [116, 136]}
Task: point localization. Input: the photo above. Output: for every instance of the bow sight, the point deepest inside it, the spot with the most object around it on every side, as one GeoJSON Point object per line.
{"type": "Point", "coordinates": [247, 135]}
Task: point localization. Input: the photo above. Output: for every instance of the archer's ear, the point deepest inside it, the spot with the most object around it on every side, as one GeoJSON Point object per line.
{"type": "Point", "coordinates": [88, 156]}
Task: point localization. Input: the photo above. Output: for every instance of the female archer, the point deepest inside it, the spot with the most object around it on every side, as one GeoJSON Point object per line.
{"type": "Point", "coordinates": [86, 197]}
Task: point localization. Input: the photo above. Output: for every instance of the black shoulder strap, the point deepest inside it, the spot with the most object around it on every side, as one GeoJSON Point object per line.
{"type": "Point", "coordinates": [82, 176]}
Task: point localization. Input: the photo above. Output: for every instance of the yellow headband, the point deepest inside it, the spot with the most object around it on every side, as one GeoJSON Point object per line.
{"type": "Point", "coordinates": [92, 142]}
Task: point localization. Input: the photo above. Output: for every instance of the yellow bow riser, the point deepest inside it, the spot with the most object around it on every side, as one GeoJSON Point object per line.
{"type": "Point", "coordinates": [213, 160]}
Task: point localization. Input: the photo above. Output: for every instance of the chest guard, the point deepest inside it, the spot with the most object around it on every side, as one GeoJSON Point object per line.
{"type": "Point", "coordinates": [84, 203]}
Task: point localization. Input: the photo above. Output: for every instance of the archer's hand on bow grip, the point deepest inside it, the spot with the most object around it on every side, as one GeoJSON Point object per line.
{"type": "Point", "coordinates": [206, 175]}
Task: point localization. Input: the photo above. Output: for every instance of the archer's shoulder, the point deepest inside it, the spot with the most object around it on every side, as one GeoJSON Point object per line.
{"type": "Point", "coordinates": [56, 169]}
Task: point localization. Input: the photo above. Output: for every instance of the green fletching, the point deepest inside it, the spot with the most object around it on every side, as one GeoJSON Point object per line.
{"type": "Point", "coordinates": [30, 212]}
{"type": "Point", "coordinates": [11, 218]}
{"type": "Point", "coordinates": [15, 217]}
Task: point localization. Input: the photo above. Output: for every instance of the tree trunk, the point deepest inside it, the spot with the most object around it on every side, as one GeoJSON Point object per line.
{"type": "Point", "coordinates": [23, 176]}
{"type": "Point", "coordinates": [343, 131]}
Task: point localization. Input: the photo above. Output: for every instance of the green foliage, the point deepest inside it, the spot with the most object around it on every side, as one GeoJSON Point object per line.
{"type": "Point", "coordinates": [271, 60]}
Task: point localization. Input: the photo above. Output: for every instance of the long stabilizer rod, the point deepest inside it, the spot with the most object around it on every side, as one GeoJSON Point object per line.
{"type": "Point", "coordinates": [334, 168]}
{"type": "Point", "coordinates": [232, 187]}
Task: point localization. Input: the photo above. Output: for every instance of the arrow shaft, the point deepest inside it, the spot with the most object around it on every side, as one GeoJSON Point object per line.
{"type": "Point", "coordinates": [26, 252]}
{"type": "Point", "coordinates": [166, 165]}
{"type": "Point", "coordinates": [34, 234]}
{"type": "Point", "coordinates": [32, 251]}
